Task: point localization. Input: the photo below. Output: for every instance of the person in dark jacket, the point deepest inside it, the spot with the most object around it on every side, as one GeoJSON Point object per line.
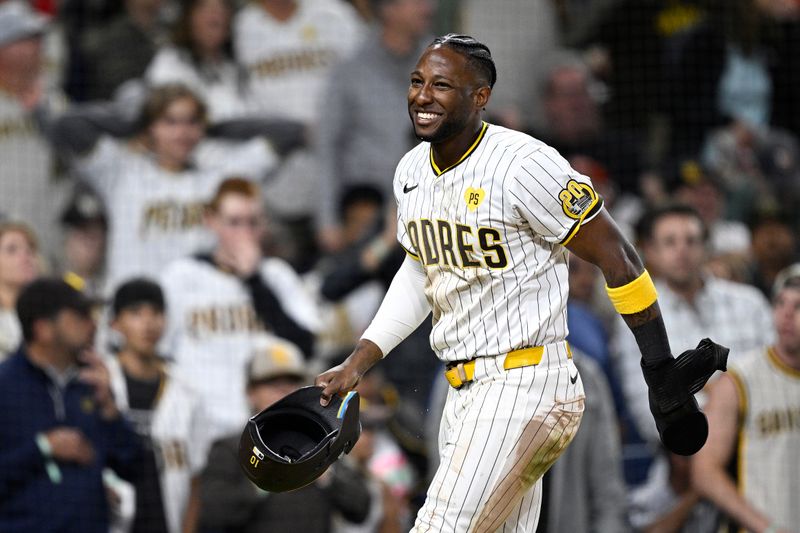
{"type": "Point", "coordinates": [59, 424]}
{"type": "Point", "coordinates": [231, 503]}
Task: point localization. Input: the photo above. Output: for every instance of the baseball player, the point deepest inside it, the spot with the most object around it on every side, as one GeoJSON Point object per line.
{"type": "Point", "coordinates": [754, 421]}
{"type": "Point", "coordinates": [486, 215]}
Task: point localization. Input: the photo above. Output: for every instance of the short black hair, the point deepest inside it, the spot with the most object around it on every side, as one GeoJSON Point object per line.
{"type": "Point", "coordinates": [647, 223]}
{"type": "Point", "coordinates": [478, 55]}
{"type": "Point", "coordinates": [135, 292]}
{"type": "Point", "coordinates": [44, 298]}
{"type": "Point", "coordinates": [357, 194]}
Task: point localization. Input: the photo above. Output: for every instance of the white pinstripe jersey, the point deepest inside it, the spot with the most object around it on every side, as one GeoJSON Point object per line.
{"type": "Point", "coordinates": [768, 466]}
{"type": "Point", "coordinates": [489, 232]}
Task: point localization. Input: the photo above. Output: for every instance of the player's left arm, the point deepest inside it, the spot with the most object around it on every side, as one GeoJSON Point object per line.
{"type": "Point", "coordinates": [672, 383]}
{"type": "Point", "coordinates": [601, 242]}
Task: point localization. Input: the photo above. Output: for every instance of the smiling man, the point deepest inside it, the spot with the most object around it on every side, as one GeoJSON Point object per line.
{"type": "Point", "coordinates": [486, 215]}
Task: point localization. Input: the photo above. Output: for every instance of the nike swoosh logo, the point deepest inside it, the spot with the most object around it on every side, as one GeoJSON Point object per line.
{"type": "Point", "coordinates": [574, 378]}
{"type": "Point", "coordinates": [407, 189]}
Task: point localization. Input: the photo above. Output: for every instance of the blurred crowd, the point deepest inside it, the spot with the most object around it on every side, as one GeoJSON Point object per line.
{"type": "Point", "coordinates": [196, 218]}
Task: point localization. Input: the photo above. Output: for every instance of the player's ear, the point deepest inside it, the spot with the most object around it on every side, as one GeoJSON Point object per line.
{"type": "Point", "coordinates": [481, 96]}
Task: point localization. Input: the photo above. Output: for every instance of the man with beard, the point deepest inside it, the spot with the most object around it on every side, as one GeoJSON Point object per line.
{"type": "Point", "coordinates": [486, 215]}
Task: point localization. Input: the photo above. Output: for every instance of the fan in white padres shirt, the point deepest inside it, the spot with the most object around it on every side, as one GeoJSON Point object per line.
{"type": "Point", "coordinates": [484, 214]}
{"type": "Point", "coordinates": [155, 193]}
{"type": "Point", "coordinates": [221, 301]}
{"type": "Point", "coordinates": [288, 49]}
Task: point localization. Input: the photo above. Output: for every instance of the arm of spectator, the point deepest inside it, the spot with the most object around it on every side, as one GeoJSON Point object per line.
{"type": "Point", "coordinates": [349, 493]}
{"type": "Point", "coordinates": [271, 312]}
{"type": "Point", "coordinates": [191, 518]}
{"type": "Point", "coordinates": [254, 159]}
{"type": "Point", "coordinates": [17, 466]}
{"type": "Point", "coordinates": [379, 256]}
{"type": "Point", "coordinates": [124, 448]}
{"type": "Point", "coordinates": [709, 474]}
{"type": "Point", "coordinates": [284, 135]}
{"type": "Point", "coordinates": [78, 129]}
{"type": "Point", "coordinates": [673, 520]}
{"type": "Point", "coordinates": [346, 275]}
{"type": "Point", "coordinates": [227, 497]}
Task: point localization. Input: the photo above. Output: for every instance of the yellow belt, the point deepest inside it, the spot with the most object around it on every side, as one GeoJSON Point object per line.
{"type": "Point", "coordinates": [458, 374]}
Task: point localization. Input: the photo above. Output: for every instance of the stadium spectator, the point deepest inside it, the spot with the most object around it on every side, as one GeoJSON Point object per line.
{"type": "Point", "coordinates": [758, 167]}
{"type": "Point", "coordinates": [28, 190]}
{"type": "Point", "coordinates": [351, 282]}
{"type": "Point", "coordinates": [694, 305]}
{"type": "Point", "coordinates": [589, 473]}
{"type": "Point", "coordinates": [724, 70]}
{"type": "Point", "coordinates": [361, 133]}
{"type": "Point", "coordinates": [59, 423]}
{"type": "Point", "coordinates": [666, 501]}
{"type": "Point", "coordinates": [155, 187]}
{"type": "Point", "coordinates": [121, 49]}
{"type": "Point", "coordinates": [220, 299]}
{"type": "Point", "coordinates": [85, 229]}
{"type": "Point", "coordinates": [387, 512]}
{"type": "Point", "coordinates": [631, 43]}
{"type": "Point", "coordinates": [753, 423]}
{"type": "Point", "coordinates": [19, 265]}
{"type": "Point", "coordinates": [773, 248]}
{"type": "Point", "coordinates": [574, 124]}
{"type": "Point", "coordinates": [77, 19]}
{"type": "Point", "coordinates": [230, 502]}
{"type": "Point", "coordinates": [165, 413]}
{"type": "Point", "coordinates": [201, 56]}
{"type": "Point", "coordinates": [288, 49]}
{"type": "Point", "coordinates": [696, 186]}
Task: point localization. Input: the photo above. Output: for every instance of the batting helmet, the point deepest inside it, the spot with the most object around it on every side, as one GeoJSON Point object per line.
{"type": "Point", "coordinates": [291, 443]}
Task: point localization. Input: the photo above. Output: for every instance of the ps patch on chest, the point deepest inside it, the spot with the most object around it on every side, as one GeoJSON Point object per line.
{"type": "Point", "coordinates": [473, 197]}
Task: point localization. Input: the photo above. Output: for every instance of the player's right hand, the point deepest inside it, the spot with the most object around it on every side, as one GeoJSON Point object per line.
{"type": "Point", "coordinates": [343, 378]}
{"type": "Point", "coordinates": [338, 380]}
{"type": "Point", "coordinates": [70, 445]}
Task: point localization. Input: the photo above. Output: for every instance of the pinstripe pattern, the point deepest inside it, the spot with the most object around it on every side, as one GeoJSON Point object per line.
{"type": "Point", "coordinates": [500, 433]}
{"type": "Point", "coordinates": [498, 436]}
{"type": "Point", "coordinates": [480, 311]}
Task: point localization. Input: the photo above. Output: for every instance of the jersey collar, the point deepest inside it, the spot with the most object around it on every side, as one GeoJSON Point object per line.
{"type": "Point", "coordinates": [471, 149]}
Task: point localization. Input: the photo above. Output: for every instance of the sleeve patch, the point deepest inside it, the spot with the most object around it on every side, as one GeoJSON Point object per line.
{"type": "Point", "coordinates": [577, 199]}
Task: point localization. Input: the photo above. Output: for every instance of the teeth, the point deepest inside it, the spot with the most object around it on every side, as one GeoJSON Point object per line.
{"type": "Point", "coordinates": [426, 116]}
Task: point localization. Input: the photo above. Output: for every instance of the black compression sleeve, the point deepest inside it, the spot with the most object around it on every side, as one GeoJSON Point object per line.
{"type": "Point", "coordinates": [271, 313]}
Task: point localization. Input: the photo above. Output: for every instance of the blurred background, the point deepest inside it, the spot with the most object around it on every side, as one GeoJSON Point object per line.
{"type": "Point", "coordinates": [216, 176]}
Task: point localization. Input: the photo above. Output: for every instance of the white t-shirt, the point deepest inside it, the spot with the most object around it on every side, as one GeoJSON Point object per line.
{"type": "Point", "coordinates": [156, 216]}
{"type": "Point", "coordinates": [212, 325]}
{"type": "Point", "coordinates": [177, 429]}
{"type": "Point", "coordinates": [288, 62]}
